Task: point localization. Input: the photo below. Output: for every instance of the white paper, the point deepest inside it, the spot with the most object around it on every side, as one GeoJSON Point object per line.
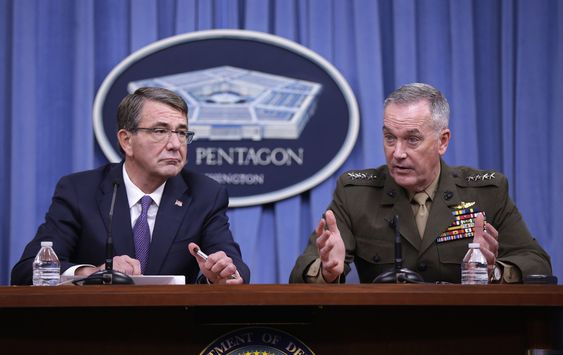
{"type": "Point", "coordinates": [139, 279]}
{"type": "Point", "coordinates": [159, 279]}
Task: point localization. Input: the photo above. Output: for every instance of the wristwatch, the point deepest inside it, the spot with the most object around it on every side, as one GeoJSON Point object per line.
{"type": "Point", "coordinates": [496, 277]}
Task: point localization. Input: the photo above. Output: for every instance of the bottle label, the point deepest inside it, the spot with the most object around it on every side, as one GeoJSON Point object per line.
{"type": "Point", "coordinates": [46, 276]}
{"type": "Point", "coordinates": [474, 274]}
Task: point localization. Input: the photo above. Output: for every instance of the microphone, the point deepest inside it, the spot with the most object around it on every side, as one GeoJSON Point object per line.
{"type": "Point", "coordinates": [108, 276]}
{"type": "Point", "coordinates": [398, 274]}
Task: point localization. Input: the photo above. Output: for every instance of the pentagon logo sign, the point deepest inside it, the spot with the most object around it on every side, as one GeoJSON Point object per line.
{"type": "Point", "coordinates": [271, 118]}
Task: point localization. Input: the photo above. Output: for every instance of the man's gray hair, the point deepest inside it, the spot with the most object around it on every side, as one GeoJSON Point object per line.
{"type": "Point", "coordinates": [414, 92]}
{"type": "Point", "coordinates": [129, 110]}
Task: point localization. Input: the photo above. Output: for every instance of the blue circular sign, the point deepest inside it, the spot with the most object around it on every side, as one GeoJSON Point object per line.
{"type": "Point", "coordinates": [271, 118]}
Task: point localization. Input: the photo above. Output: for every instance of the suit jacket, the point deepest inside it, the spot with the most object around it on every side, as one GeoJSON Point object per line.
{"type": "Point", "coordinates": [192, 209]}
{"type": "Point", "coordinates": [365, 202]}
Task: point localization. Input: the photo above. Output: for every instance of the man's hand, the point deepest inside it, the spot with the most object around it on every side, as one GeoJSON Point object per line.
{"type": "Point", "coordinates": [122, 263]}
{"type": "Point", "coordinates": [487, 237]}
{"type": "Point", "coordinates": [331, 247]}
{"type": "Point", "coordinates": [218, 268]}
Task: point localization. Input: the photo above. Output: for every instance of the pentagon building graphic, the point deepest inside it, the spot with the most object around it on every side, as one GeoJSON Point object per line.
{"type": "Point", "coordinates": [229, 103]}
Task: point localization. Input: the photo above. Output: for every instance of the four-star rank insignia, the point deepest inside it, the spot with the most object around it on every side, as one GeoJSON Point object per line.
{"type": "Point", "coordinates": [464, 224]}
{"type": "Point", "coordinates": [479, 177]}
{"type": "Point", "coordinates": [361, 176]}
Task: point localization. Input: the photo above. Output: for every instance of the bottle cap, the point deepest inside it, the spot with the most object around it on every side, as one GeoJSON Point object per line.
{"type": "Point", "coordinates": [46, 244]}
{"type": "Point", "coordinates": [474, 245]}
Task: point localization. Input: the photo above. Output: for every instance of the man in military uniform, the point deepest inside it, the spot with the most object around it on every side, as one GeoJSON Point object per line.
{"type": "Point", "coordinates": [440, 208]}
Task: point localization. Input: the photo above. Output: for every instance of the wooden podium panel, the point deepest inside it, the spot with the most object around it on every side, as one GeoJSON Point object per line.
{"type": "Point", "coordinates": [329, 319]}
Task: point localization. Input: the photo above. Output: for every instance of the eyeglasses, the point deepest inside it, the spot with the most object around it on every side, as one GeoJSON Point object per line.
{"type": "Point", "coordinates": [158, 134]}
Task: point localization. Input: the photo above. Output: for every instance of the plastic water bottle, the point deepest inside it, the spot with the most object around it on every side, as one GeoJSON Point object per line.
{"type": "Point", "coordinates": [474, 267]}
{"type": "Point", "coordinates": [46, 266]}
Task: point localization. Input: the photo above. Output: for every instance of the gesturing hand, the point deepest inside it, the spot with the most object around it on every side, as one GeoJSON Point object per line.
{"type": "Point", "coordinates": [331, 247]}
{"type": "Point", "coordinates": [487, 237]}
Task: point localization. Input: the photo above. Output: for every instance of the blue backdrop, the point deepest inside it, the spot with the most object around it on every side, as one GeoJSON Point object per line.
{"type": "Point", "coordinates": [500, 63]}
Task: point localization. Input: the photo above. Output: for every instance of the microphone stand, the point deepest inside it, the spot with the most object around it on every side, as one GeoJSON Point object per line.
{"type": "Point", "coordinates": [398, 274]}
{"type": "Point", "coordinates": [108, 276]}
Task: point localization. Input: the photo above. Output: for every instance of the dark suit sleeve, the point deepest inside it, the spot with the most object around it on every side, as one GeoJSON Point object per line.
{"type": "Point", "coordinates": [216, 235]}
{"type": "Point", "coordinates": [61, 226]}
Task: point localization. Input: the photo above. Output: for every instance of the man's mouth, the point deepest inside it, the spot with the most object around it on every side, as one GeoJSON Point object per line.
{"type": "Point", "coordinates": [402, 169]}
{"type": "Point", "coordinates": [171, 161]}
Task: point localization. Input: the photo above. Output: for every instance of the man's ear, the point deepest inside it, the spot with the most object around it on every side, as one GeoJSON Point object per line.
{"type": "Point", "coordinates": [124, 138]}
{"type": "Point", "coordinates": [445, 136]}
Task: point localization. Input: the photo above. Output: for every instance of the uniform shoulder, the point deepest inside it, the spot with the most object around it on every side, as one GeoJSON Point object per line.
{"type": "Point", "coordinates": [365, 177]}
{"type": "Point", "coordinates": [472, 177]}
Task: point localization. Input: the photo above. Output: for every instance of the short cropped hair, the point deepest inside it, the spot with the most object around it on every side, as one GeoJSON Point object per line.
{"type": "Point", "coordinates": [414, 92]}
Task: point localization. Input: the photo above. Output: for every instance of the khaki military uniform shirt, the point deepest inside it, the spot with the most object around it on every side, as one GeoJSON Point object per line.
{"type": "Point", "coordinates": [365, 202]}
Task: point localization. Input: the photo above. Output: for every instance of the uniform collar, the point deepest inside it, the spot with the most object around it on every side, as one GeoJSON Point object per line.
{"type": "Point", "coordinates": [430, 189]}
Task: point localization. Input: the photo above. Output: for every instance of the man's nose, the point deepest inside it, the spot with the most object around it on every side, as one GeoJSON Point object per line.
{"type": "Point", "coordinates": [400, 151]}
{"type": "Point", "coordinates": [173, 141]}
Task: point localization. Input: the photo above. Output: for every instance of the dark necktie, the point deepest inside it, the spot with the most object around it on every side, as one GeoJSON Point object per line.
{"type": "Point", "coordinates": [142, 233]}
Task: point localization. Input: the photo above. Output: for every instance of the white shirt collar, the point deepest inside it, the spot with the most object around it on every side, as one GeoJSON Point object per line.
{"type": "Point", "coordinates": [134, 194]}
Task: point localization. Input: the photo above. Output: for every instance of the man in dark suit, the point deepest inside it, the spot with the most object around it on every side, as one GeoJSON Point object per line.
{"type": "Point", "coordinates": [441, 208]}
{"type": "Point", "coordinates": [163, 212]}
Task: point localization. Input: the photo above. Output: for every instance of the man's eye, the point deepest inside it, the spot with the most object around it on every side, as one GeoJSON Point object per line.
{"type": "Point", "coordinates": [159, 131]}
{"type": "Point", "coordinates": [389, 139]}
{"type": "Point", "coordinates": [413, 140]}
{"type": "Point", "coordinates": [182, 133]}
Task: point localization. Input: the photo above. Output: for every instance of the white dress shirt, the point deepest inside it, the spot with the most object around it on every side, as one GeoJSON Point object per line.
{"type": "Point", "coordinates": [134, 195]}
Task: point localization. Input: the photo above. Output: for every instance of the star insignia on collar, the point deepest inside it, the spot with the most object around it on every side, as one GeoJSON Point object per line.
{"type": "Point", "coordinates": [361, 176]}
{"type": "Point", "coordinates": [479, 177]}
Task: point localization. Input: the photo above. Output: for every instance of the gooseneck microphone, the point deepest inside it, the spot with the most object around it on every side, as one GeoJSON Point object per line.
{"type": "Point", "coordinates": [108, 276]}
{"type": "Point", "coordinates": [398, 274]}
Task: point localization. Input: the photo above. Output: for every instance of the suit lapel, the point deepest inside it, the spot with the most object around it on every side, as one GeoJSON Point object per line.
{"type": "Point", "coordinates": [123, 242]}
{"type": "Point", "coordinates": [173, 207]}
{"type": "Point", "coordinates": [121, 232]}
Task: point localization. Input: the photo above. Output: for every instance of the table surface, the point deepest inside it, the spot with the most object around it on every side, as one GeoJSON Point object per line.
{"type": "Point", "coordinates": [282, 294]}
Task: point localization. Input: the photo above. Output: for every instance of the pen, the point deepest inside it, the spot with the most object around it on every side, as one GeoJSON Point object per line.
{"type": "Point", "coordinates": [326, 223]}
{"type": "Point", "coordinates": [204, 257]}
